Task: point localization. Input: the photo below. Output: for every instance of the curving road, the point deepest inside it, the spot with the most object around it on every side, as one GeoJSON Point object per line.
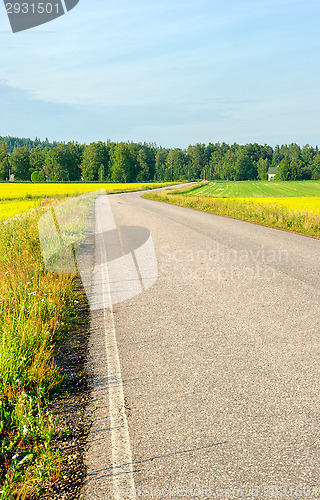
{"type": "Point", "coordinates": [219, 363]}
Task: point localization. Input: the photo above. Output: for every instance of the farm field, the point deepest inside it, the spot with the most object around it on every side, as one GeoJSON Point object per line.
{"type": "Point", "coordinates": [309, 204]}
{"type": "Point", "coordinates": [17, 198]}
{"type": "Point", "coordinates": [253, 189]}
{"type": "Point", "coordinates": [10, 191]}
{"type": "Point", "coordinates": [9, 209]}
{"type": "Point", "coordinates": [293, 206]}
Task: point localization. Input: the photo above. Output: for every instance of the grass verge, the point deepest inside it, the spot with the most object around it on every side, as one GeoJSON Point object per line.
{"type": "Point", "coordinates": [37, 307]}
{"type": "Point", "coordinates": [271, 214]}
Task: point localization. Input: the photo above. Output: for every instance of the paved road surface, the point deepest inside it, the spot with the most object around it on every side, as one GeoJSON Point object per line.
{"type": "Point", "coordinates": [219, 362]}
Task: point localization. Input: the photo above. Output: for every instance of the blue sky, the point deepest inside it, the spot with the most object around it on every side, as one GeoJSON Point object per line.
{"type": "Point", "coordinates": [172, 72]}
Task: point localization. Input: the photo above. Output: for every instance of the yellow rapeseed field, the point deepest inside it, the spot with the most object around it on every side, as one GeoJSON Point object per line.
{"type": "Point", "coordinates": [9, 209]}
{"type": "Point", "coordinates": [309, 204]}
{"type": "Point", "coordinates": [16, 198]}
{"type": "Point", "coordinates": [9, 191]}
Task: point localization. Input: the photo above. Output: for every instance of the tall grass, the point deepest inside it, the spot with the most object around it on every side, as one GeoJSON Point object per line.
{"type": "Point", "coordinates": [35, 307]}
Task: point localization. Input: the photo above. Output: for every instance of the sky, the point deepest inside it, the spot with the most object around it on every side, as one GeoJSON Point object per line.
{"type": "Point", "coordinates": [170, 72]}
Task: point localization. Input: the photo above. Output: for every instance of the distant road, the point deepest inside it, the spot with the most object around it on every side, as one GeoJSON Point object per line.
{"type": "Point", "coordinates": [219, 363]}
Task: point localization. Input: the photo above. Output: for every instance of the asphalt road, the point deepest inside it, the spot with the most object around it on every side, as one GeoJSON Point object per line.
{"type": "Point", "coordinates": [219, 364]}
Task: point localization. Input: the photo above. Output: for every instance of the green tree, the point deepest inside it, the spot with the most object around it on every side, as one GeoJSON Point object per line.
{"type": "Point", "coordinates": [101, 173]}
{"type": "Point", "coordinates": [277, 155]}
{"type": "Point", "coordinates": [315, 167]}
{"type": "Point", "coordinates": [228, 170]}
{"type": "Point", "coordinates": [285, 169]}
{"type": "Point", "coordinates": [160, 164]}
{"type": "Point", "coordinates": [54, 165]}
{"type": "Point", "coordinates": [71, 159]}
{"type": "Point", "coordinates": [121, 163]}
{"type": "Point", "coordinates": [294, 151]}
{"type": "Point", "coordinates": [307, 155]}
{"type": "Point", "coordinates": [244, 169]}
{"type": "Point", "coordinates": [263, 167]}
{"type": "Point", "coordinates": [20, 163]}
{"type": "Point", "coordinates": [37, 160]}
{"type": "Point", "coordinates": [176, 164]}
{"type": "Point", "coordinates": [4, 162]}
{"type": "Point", "coordinates": [197, 160]}
{"type": "Point", "coordinates": [143, 166]}
{"type": "Point", "coordinates": [296, 169]}
{"type": "Point", "coordinates": [216, 164]}
{"type": "Point", "coordinates": [38, 176]}
{"type": "Point", "coordinates": [93, 156]}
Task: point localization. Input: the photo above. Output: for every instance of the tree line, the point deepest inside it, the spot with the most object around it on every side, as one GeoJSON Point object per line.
{"type": "Point", "coordinates": [138, 162]}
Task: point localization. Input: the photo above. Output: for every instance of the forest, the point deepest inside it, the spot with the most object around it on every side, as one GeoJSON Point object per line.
{"type": "Point", "coordinates": [39, 161]}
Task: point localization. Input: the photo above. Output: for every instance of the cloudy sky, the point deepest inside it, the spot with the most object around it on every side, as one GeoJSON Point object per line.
{"type": "Point", "coordinates": [174, 72]}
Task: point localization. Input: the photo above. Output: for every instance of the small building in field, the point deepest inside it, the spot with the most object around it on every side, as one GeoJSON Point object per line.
{"type": "Point", "coordinates": [11, 177]}
{"type": "Point", "coordinates": [272, 172]}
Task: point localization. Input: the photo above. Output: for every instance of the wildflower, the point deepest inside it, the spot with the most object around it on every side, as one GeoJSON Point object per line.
{"type": "Point", "coordinates": [25, 430]}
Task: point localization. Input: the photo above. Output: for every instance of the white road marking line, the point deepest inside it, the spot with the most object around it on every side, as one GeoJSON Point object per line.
{"type": "Point", "coordinates": [123, 478]}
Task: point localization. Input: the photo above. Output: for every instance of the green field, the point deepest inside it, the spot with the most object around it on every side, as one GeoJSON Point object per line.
{"type": "Point", "coordinates": [253, 189]}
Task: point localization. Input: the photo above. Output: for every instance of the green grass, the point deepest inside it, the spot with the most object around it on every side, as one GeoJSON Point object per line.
{"type": "Point", "coordinates": [36, 307]}
{"type": "Point", "coordinates": [252, 189]}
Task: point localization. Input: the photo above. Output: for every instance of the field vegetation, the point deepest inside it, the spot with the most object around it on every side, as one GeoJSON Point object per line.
{"type": "Point", "coordinates": [27, 190]}
{"type": "Point", "coordinates": [36, 308]}
{"type": "Point", "coordinates": [256, 189]}
{"type": "Point", "coordinates": [9, 209]}
{"type": "Point", "coordinates": [17, 198]}
{"type": "Point", "coordinates": [293, 213]}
